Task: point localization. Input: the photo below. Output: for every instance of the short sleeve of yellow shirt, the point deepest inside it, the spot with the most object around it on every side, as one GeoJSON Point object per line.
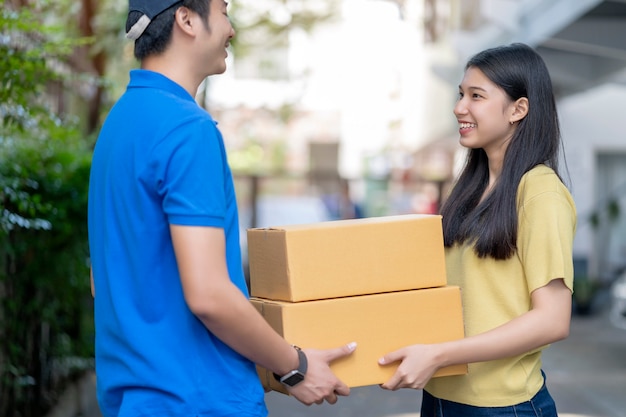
{"type": "Point", "coordinates": [496, 291]}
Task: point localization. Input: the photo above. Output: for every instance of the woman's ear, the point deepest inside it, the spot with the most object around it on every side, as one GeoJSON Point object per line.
{"type": "Point", "coordinates": [520, 109]}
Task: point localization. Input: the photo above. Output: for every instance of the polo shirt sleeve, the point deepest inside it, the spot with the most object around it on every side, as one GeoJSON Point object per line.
{"type": "Point", "coordinates": [190, 175]}
{"type": "Point", "coordinates": [547, 222]}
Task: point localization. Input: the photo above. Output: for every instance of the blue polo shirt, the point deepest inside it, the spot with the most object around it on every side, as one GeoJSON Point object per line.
{"type": "Point", "coordinates": [160, 160]}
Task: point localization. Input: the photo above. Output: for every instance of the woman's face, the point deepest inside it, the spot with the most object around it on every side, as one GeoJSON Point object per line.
{"type": "Point", "coordinates": [484, 113]}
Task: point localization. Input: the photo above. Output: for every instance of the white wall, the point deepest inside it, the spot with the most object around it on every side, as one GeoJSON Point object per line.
{"type": "Point", "coordinates": [591, 122]}
{"type": "Point", "coordinates": [369, 65]}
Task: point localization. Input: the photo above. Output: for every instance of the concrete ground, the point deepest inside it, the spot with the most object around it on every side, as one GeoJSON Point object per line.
{"type": "Point", "coordinates": [587, 371]}
{"type": "Point", "coordinates": [586, 376]}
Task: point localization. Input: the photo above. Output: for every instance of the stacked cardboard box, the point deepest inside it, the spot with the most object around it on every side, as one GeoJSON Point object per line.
{"type": "Point", "coordinates": [380, 282]}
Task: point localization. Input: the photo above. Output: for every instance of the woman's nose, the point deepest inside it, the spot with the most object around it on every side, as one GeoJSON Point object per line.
{"type": "Point", "coordinates": [459, 107]}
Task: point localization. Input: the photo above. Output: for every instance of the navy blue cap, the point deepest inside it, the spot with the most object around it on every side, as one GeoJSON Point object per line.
{"type": "Point", "coordinates": [150, 9]}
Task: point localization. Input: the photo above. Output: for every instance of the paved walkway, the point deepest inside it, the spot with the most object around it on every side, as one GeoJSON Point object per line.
{"type": "Point", "coordinates": [586, 376]}
{"type": "Point", "coordinates": [587, 371]}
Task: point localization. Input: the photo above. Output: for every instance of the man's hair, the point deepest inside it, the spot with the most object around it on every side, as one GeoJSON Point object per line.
{"type": "Point", "coordinates": [158, 34]}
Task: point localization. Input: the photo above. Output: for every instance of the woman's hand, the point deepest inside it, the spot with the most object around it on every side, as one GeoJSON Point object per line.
{"type": "Point", "coordinates": [547, 322]}
{"type": "Point", "coordinates": [418, 364]}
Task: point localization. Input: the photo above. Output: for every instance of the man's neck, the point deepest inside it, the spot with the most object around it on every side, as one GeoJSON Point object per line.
{"type": "Point", "coordinates": [174, 69]}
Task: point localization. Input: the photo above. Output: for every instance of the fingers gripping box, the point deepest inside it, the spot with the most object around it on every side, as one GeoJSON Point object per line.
{"type": "Point", "coordinates": [379, 323]}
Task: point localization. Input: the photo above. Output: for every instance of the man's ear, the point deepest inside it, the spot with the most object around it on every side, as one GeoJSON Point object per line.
{"type": "Point", "coordinates": [520, 109]}
{"type": "Point", "coordinates": [183, 19]}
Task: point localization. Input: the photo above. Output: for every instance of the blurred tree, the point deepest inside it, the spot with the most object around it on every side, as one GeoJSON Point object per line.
{"type": "Point", "coordinates": [45, 316]}
{"type": "Point", "coordinates": [261, 52]}
{"type": "Point", "coordinates": [62, 64]}
{"type": "Point", "coordinates": [262, 25]}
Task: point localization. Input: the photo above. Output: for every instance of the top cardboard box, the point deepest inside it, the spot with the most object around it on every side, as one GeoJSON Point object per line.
{"type": "Point", "coordinates": [346, 257]}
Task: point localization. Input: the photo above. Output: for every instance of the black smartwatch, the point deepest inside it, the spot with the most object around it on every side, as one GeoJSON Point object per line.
{"type": "Point", "coordinates": [296, 376]}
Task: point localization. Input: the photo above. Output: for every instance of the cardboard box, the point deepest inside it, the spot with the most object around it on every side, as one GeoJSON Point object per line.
{"type": "Point", "coordinates": [346, 257]}
{"type": "Point", "coordinates": [379, 323]}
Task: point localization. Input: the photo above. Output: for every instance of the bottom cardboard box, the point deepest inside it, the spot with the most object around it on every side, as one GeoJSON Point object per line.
{"type": "Point", "coordinates": [379, 323]}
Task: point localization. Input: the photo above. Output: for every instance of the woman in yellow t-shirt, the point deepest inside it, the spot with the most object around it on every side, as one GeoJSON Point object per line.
{"type": "Point", "coordinates": [508, 225]}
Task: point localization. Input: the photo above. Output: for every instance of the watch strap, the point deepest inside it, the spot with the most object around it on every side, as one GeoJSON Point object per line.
{"type": "Point", "coordinates": [302, 365]}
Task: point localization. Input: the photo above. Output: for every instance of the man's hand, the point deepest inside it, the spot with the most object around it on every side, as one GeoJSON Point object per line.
{"type": "Point", "coordinates": [320, 383]}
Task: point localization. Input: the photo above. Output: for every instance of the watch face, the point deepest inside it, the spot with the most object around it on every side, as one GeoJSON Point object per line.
{"type": "Point", "coordinates": [292, 379]}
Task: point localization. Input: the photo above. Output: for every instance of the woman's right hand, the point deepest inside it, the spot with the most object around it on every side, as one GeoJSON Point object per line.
{"type": "Point", "coordinates": [418, 363]}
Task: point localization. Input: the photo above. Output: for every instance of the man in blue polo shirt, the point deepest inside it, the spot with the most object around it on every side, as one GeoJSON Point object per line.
{"type": "Point", "coordinates": [175, 332]}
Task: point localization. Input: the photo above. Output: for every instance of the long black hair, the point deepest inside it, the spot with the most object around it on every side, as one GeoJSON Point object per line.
{"type": "Point", "coordinates": [491, 225]}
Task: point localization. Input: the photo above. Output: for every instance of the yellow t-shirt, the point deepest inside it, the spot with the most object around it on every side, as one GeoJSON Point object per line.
{"type": "Point", "coordinates": [496, 291]}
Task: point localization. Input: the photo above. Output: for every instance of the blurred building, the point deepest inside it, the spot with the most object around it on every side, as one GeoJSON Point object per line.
{"type": "Point", "coordinates": [356, 83]}
{"type": "Point", "coordinates": [583, 44]}
{"type": "Point", "coordinates": [370, 91]}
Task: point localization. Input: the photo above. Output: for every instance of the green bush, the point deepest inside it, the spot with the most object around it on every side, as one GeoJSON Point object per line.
{"type": "Point", "coordinates": [44, 276]}
{"type": "Point", "coordinates": [45, 303]}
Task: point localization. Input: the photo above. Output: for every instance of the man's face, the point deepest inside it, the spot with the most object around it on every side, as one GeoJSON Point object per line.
{"type": "Point", "coordinates": [216, 39]}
